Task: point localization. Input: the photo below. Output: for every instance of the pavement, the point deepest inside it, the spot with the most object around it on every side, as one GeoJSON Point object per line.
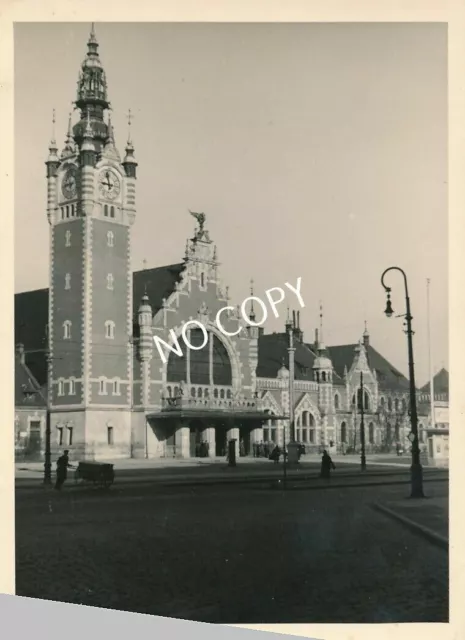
{"type": "Point", "coordinates": [236, 554]}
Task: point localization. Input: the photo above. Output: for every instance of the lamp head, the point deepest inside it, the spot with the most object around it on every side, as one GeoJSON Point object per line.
{"type": "Point", "coordinates": [389, 310]}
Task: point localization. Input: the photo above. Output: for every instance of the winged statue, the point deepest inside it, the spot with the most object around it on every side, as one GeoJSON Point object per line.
{"type": "Point", "coordinates": [200, 217]}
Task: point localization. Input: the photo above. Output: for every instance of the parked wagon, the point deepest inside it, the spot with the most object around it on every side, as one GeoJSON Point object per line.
{"type": "Point", "coordinates": [101, 474]}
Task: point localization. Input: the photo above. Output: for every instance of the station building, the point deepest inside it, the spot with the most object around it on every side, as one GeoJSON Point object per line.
{"type": "Point", "coordinates": [85, 345]}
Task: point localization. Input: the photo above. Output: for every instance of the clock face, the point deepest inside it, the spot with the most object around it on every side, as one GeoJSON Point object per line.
{"type": "Point", "coordinates": [69, 184]}
{"type": "Point", "coordinates": [109, 184]}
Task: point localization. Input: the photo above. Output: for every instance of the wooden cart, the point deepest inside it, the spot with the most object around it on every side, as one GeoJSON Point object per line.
{"type": "Point", "coordinates": [101, 474]}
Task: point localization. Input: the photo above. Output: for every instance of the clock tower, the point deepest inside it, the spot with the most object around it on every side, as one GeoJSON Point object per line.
{"type": "Point", "coordinates": [91, 209]}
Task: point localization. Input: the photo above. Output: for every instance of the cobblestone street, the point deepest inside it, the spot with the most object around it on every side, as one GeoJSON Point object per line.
{"type": "Point", "coordinates": [232, 554]}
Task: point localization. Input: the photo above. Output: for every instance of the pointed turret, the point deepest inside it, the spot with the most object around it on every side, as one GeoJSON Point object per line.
{"type": "Point", "coordinates": [110, 151]}
{"type": "Point", "coordinates": [69, 148]}
{"type": "Point", "coordinates": [53, 160]}
{"type": "Point", "coordinates": [322, 366]}
{"type": "Point", "coordinates": [144, 315]}
{"type": "Point", "coordinates": [129, 162]}
{"type": "Point", "coordinates": [366, 337]}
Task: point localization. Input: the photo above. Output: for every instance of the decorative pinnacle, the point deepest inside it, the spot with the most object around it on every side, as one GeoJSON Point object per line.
{"type": "Point", "coordinates": [129, 143]}
{"type": "Point", "coordinates": [92, 38]}
{"type": "Point", "coordinates": [53, 138]}
{"type": "Point", "coordinates": [252, 312]}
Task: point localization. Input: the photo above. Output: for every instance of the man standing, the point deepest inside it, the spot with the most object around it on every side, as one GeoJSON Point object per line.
{"type": "Point", "coordinates": [62, 469]}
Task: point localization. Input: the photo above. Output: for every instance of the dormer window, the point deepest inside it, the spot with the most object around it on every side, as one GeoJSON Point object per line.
{"type": "Point", "coordinates": [109, 330]}
{"type": "Point", "coordinates": [67, 330]}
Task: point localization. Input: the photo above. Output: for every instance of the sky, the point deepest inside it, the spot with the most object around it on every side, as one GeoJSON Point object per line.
{"type": "Point", "coordinates": [316, 151]}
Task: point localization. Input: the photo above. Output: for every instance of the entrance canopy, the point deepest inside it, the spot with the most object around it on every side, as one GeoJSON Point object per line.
{"type": "Point", "coordinates": [214, 415]}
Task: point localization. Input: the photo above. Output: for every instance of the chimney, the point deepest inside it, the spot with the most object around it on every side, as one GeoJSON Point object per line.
{"type": "Point", "coordinates": [20, 353]}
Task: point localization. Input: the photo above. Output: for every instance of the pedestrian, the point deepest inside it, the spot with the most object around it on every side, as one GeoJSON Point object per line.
{"type": "Point", "coordinates": [326, 465]}
{"type": "Point", "coordinates": [275, 454]}
{"type": "Point", "coordinates": [242, 448]}
{"type": "Point", "coordinates": [62, 469]}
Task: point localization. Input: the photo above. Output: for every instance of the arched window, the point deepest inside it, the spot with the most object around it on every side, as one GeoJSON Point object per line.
{"type": "Point", "coordinates": [61, 388]}
{"type": "Point", "coordinates": [110, 238]}
{"type": "Point", "coordinates": [222, 393]}
{"type": "Point", "coordinates": [389, 404]}
{"type": "Point", "coordinates": [72, 387]}
{"type": "Point", "coordinates": [305, 418]}
{"type": "Point", "coordinates": [323, 376]}
{"type": "Point", "coordinates": [110, 330]}
{"type": "Point", "coordinates": [228, 394]}
{"type": "Point", "coordinates": [371, 433]}
{"type": "Point", "coordinates": [382, 401]}
{"type": "Point", "coordinates": [336, 401]}
{"type": "Point", "coordinates": [199, 392]}
{"type": "Point", "coordinates": [215, 393]}
{"type": "Point", "coordinates": [116, 387]}
{"type": "Point", "coordinates": [112, 212]}
{"type": "Point", "coordinates": [67, 330]}
{"type": "Point", "coordinates": [105, 211]}
{"type": "Point", "coordinates": [343, 432]}
{"type": "Point", "coordinates": [193, 392]}
{"type": "Point", "coordinates": [388, 433]}
{"type": "Point", "coordinates": [102, 387]}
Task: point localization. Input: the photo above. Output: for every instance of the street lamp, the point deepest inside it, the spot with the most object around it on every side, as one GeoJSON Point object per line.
{"type": "Point", "coordinates": [363, 459]}
{"type": "Point", "coordinates": [416, 471]}
{"type": "Point", "coordinates": [48, 453]}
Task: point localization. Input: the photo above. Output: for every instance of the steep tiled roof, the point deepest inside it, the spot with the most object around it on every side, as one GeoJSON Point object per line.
{"type": "Point", "coordinates": [28, 392]}
{"type": "Point", "coordinates": [440, 383]}
{"type": "Point", "coordinates": [158, 283]}
{"type": "Point", "coordinates": [389, 377]}
{"type": "Point", "coordinates": [272, 354]}
{"type": "Point", "coordinates": [31, 312]}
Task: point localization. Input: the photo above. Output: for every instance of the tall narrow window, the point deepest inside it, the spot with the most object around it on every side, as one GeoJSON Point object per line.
{"type": "Point", "coordinates": [202, 279]}
{"type": "Point", "coordinates": [105, 211]}
{"type": "Point", "coordinates": [62, 213]}
{"type": "Point", "coordinates": [61, 388]}
{"type": "Point", "coordinates": [67, 211]}
{"type": "Point", "coordinates": [60, 436]}
{"type": "Point", "coordinates": [67, 330]}
{"type": "Point", "coordinates": [72, 387]}
{"type": "Point", "coordinates": [110, 281]}
{"type": "Point", "coordinates": [109, 330]}
{"type": "Point", "coordinates": [110, 439]}
{"type": "Point", "coordinates": [336, 401]}
{"type": "Point", "coordinates": [68, 239]}
{"type": "Point", "coordinates": [68, 281]}
{"type": "Point", "coordinates": [112, 212]}
{"type": "Point", "coordinates": [70, 436]}
{"type": "Point", "coordinates": [102, 387]}
{"type": "Point", "coordinates": [110, 239]}
{"type": "Point", "coordinates": [116, 388]}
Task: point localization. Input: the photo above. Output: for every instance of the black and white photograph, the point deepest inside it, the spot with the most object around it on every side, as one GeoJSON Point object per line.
{"type": "Point", "coordinates": [231, 319]}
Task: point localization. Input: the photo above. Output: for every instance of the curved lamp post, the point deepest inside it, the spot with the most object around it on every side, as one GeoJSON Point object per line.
{"type": "Point", "coordinates": [416, 468]}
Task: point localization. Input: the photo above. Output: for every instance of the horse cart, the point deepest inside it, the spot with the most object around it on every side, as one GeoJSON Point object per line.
{"type": "Point", "coordinates": [100, 474]}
